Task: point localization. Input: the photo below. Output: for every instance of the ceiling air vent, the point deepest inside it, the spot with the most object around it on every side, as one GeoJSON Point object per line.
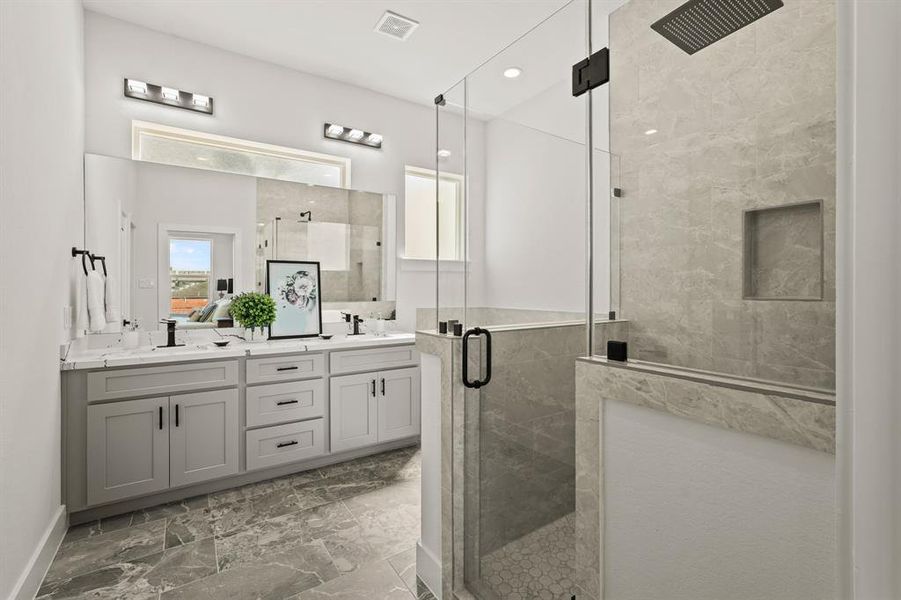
{"type": "Point", "coordinates": [396, 26]}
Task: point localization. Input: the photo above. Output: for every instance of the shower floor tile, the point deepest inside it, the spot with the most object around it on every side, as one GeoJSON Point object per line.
{"type": "Point", "coordinates": [537, 566]}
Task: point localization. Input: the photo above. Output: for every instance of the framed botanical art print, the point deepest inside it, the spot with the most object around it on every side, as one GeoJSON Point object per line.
{"type": "Point", "coordinates": [294, 285]}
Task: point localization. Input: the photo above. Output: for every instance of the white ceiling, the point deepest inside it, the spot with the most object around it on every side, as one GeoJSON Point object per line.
{"type": "Point", "coordinates": [335, 38]}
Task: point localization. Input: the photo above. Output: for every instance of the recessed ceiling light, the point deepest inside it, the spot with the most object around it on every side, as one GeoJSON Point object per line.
{"type": "Point", "coordinates": [444, 153]}
{"type": "Point", "coordinates": [650, 132]}
{"type": "Point", "coordinates": [512, 72]}
{"type": "Point", "coordinates": [204, 158]}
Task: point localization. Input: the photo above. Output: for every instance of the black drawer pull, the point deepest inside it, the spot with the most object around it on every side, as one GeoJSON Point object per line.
{"type": "Point", "coordinates": [161, 417]}
{"type": "Point", "coordinates": [283, 402]}
{"type": "Point", "coordinates": [176, 415]}
{"type": "Point", "coordinates": [294, 368]}
{"type": "Point", "coordinates": [283, 444]}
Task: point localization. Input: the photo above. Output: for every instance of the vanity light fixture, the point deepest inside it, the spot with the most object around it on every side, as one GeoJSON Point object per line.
{"type": "Point", "coordinates": [354, 136]}
{"type": "Point", "coordinates": [512, 72]}
{"type": "Point", "coordinates": [168, 96]}
{"type": "Point", "coordinates": [138, 87]}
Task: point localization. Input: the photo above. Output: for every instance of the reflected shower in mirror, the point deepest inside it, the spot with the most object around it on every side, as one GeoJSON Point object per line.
{"type": "Point", "coordinates": [341, 229]}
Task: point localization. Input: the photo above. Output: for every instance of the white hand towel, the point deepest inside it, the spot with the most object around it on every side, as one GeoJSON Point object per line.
{"type": "Point", "coordinates": [81, 299]}
{"type": "Point", "coordinates": [96, 309]}
{"type": "Point", "coordinates": [111, 299]}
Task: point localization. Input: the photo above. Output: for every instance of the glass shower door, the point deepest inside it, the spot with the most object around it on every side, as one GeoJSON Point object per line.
{"type": "Point", "coordinates": [524, 298]}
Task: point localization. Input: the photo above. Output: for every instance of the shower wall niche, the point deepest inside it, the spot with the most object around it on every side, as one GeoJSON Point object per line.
{"type": "Point", "coordinates": [712, 145]}
{"type": "Point", "coordinates": [783, 252]}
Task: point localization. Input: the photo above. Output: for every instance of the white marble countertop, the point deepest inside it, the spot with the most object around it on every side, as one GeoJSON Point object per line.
{"type": "Point", "coordinates": [198, 345]}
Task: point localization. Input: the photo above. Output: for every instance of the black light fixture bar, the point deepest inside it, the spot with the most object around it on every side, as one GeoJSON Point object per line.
{"type": "Point", "coordinates": [354, 136]}
{"type": "Point", "coordinates": [149, 92]}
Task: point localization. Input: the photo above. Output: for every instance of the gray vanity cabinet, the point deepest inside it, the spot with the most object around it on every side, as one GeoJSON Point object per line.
{"type": "Point", "coordinates": [353, 401]}
{"type": "Point", "coordinates": [398, 412]}
{"type": "Point", "coordinates": [127, 449]}
{"type": "Point", "coordinates": [135, 447]}
{"type": "Point", "coordinates": [371, 408]}
{"type": "Point", "coordinates": [203, 436]}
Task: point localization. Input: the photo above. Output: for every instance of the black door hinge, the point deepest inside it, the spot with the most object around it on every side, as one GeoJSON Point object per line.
{"type": "Point", "coordinates": [591, 72]}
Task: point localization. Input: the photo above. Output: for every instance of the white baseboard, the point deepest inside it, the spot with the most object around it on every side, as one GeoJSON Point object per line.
{"type": "Point", "coordinates": [30, 581]}
{"type": "Point", "coordinates": [428, 568]}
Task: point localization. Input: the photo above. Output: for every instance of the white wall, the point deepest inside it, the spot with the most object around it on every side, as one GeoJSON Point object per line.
{"type": "Point", "coordinates": [696, 512]}
{"type": "Point", "coordinates": [41, 144]}
{"type": "Point", "coordinates": [869, 298]}
{"type": "Point", "coordinates": [258, 101]}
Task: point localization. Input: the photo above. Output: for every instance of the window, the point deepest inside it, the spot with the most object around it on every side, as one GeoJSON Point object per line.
{"type": "Point", "coordinates": [190, 274]}
{"type": "Point", "coordinates": [420, 215]}
{"type": "Point", "coordinates": [186, 148]}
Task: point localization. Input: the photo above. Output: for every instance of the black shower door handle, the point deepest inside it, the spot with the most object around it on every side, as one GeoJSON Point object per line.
{"type": "Point", "coordinates": [476, 331]}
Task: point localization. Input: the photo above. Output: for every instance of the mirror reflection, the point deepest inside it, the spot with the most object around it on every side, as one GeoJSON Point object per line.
{"type": "Point", "coordinates": [180, 243]}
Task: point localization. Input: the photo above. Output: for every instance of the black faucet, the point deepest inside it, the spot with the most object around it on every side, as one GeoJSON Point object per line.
{"type": "Point", "coordinates": [170, 333]}
{"type": "Point", "coordinates": [357, 321]}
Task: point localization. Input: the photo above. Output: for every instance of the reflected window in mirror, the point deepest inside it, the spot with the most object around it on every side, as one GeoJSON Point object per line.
{"type": "Point", "coordinates": [156, 143]}
{"type": "Point", "coordinates": [421, 215]}
{"type": "Point", "coordinates": [190, 274]}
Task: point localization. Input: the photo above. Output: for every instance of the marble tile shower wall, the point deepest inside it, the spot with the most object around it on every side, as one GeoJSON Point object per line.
{"type": "Point", "coordinates": [748, 122]}
{"type": "Point", "coordinates": [527, 431]}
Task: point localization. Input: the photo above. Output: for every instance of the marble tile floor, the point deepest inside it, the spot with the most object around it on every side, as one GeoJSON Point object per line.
{"type": "Point", "coordinates": [345, 531]}
{"type": "Point", "coordinates": [537, 566]}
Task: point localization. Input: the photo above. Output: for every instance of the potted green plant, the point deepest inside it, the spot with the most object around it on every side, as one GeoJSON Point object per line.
{"type": "Point", "coordinates": [252, 310]}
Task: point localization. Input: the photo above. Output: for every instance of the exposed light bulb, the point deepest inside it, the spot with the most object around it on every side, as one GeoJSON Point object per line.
{"type": "Point", "coordinates": [138, 87]}
{"type": "Point", "coordinates": [335, 130]}
{"type": "Point", "coordinates": [512, 72]}
{"type": "Point", "coordinates": [355, 134]}
{"type": "Point", "coordinates": [170, 93]}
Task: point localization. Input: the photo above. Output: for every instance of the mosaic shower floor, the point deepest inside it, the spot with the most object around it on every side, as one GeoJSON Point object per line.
{"type": "Point", "coordinates": [537, 566]}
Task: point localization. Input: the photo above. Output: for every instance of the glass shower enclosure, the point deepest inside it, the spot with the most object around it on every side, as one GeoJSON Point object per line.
{"type": "Point", "coordinates": [536, 209]}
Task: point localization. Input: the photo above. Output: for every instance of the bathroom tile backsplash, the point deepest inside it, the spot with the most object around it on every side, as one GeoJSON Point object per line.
{"type": "Point", "coordinates": [746, 123]}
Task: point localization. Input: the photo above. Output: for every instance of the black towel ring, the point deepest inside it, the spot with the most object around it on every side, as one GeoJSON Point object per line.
{"type": "Point", "coordinates": [102, 260]}
{"type": "Point", "coordinates": [83, 253]}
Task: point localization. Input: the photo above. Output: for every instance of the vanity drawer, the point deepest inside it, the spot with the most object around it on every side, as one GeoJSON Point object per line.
{"type": "Point", "coordinates": [283, 402]}
{"type": "Point", "coordinates": [373, 359]}
{"type": "Point", "coordinates": [285, 368]}
{"type": "Point", "coordinates": [147, 381]}
{"type": "Point", "coordinates": [281, 444]}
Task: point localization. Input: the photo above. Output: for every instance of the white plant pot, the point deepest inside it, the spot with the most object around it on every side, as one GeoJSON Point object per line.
{"type": "Point", "coordinates": [255, 335]}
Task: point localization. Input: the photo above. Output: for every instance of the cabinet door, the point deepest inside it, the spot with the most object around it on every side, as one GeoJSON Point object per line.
{"type": "Point", "coordinates": [398, 404]}
{"type": "Point", "coordinates": [354, 405]}
{"type": "Point", "coordinates": [127, 449]}
{"type": "Point", "coordinates": [204, 436]}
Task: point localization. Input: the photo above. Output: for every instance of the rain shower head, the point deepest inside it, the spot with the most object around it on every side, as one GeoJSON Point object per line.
{"type": "Point", "coordinates": [699, 23]}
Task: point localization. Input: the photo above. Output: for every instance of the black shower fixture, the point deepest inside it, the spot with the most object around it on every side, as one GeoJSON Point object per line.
{"type": "Point", "coordinates": [699, 23]}
{"type": "Point", "coordinates": [306, 216]}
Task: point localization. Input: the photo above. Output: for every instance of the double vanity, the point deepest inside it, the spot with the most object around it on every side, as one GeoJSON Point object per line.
{"type": "Point", "coordinates": [151, 425]}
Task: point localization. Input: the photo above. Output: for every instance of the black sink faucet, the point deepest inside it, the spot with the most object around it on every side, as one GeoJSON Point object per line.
{"type": "Point", "coordinates": [357, 321]}
{"type": "Point", "coordinates": [170, 333]}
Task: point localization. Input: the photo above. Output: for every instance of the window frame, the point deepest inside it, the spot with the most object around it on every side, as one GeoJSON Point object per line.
{"type": "Point", "coordinates": [140, 128]}
{"type": "Point", "coordinates": [459, 181]}
{"type": "Point", "coordinates": [179, 236]}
